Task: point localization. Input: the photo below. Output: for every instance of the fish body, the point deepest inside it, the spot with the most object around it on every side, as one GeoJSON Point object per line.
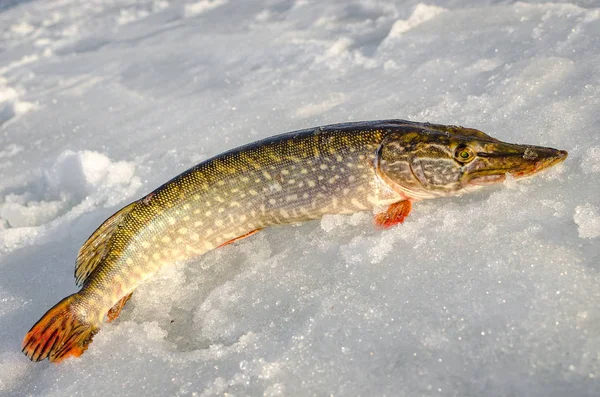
{"type": "Point", "coordinates": [290, 178]}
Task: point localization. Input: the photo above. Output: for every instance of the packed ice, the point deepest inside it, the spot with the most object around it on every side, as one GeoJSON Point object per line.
{"type": "Point", "coordinates": [494, 293]}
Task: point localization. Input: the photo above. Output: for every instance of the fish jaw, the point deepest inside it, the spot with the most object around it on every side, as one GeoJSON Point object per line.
{"type": "Point", "coordinates": [519, 161]}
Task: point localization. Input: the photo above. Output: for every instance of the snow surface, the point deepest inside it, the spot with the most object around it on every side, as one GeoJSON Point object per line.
{"type": "Point", "coordinates": [493, 294]}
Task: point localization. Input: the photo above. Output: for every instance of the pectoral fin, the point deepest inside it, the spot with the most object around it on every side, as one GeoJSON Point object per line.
{"type": "Point", "coordinates": [396, 213]}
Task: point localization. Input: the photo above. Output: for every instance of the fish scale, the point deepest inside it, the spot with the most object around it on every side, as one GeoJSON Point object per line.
{"type": "Point", "coordinates": [302, 179]}
{"type": "Point", "coordinates": [289, 178]}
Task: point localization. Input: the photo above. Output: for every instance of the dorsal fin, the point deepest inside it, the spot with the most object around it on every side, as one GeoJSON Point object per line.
{"type": "Point", "coordinates": [97, 245]}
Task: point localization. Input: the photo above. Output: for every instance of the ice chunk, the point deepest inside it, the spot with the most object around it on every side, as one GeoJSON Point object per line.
{"type": "Point", "coordinates": [422, 13]}
{"type": "Point", "coordinates": [590, 164]}
{"type": "Point", "coordinates": [200, 7]}
{"type": "Point", "coordinates": [10, 103]}
{"type": "Point", "coordinates": [587, 218]}
{"type": "Point", "coordinates": [73, 177]}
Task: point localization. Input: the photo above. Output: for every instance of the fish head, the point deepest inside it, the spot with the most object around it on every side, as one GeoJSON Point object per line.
{"type": "Point", "coordinates": [436, 160]}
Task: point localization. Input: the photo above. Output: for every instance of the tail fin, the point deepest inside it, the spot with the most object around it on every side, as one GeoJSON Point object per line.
{"type": "Point", "coordinates": [59, 334]}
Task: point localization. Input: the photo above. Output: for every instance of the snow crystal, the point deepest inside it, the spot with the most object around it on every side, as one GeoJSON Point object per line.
{"type": "Point", "coordinates": [587, 218]}
{"type": "Point", "coordinates": [591, 160]}
{"type": "Point", "coordinates": [422, 13]}
{"type": "Point", "coordinates": [10, 103]}
{"type": "Point", "coordinates": [12, 371]}
{"type": "Point", "coordinates": [199, 7]}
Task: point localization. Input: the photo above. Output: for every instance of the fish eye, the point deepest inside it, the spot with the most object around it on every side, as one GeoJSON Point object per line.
{"type": "Point", "coordinates": [464, 154]}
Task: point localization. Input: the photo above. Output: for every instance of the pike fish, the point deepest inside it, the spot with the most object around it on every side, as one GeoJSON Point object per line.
{"type": "Point", "coordinates": [289, 178]}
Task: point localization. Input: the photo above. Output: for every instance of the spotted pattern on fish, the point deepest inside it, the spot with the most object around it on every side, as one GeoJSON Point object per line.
{"type": "Point", "coordinates": [289, 178]}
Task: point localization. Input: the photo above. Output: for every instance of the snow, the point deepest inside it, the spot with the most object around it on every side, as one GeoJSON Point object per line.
{"type": "Point", "coordinates": [495, 293]}
{"type": "Point", "coordinates": [587, 218]}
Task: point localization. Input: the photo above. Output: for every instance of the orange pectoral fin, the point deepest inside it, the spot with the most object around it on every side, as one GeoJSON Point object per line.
{"type": "Point", "coordinates": [396, 213]}
{"type": "Point", "coordinates": [240, 237]}
{"type": "Point", "coordinates": [114, 311]}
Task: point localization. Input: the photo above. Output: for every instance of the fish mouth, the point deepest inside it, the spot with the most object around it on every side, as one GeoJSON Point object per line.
{"type": "Point", "coordinates": [520, 164]}
{"type": "Point", "coordinates": [484, 179]}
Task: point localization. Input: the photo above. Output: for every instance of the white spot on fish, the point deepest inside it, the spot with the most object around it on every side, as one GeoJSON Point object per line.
{"type": "Point", "coordinates": [275, 187]}
{"type": "Point", "coordinates": [373, 199]}
{"type": "Point", "coordinates": [193, 250]}
{"type": "Point", "coordinates": [358, 204]}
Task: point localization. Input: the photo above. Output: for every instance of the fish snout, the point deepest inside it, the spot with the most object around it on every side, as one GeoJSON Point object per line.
{"type": "Point", "coordinates": [535, 159]}
{"type": "Point", "coordinates": [545, 157]}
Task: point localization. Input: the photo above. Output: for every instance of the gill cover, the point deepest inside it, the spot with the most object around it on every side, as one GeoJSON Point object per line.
{"type": "Point", "coordinates": [419, 164]}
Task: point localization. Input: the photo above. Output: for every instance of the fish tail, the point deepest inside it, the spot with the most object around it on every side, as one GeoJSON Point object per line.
{"type": "Point", "coordinates": [60, 333]}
